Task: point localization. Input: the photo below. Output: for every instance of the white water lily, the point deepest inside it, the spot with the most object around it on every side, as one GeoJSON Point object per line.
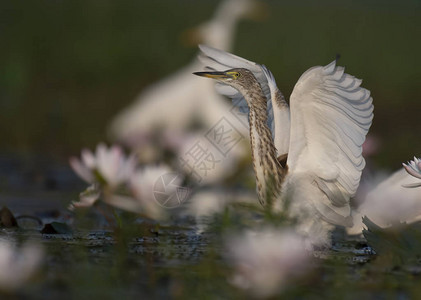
{"type": "Point", "coordinates": [413, 168]}
{"type": "Point", "coordinates": [17, 266]}
{"type": "Point", "coordinates": [108, 164]}
{"type": "Point", "coordinates": [153, 192]}
{"type": "Point", "coordinates": [266, 260]}
{"type": "Point", "coordinates": [87, 198]}
{"type": "Point", "coordinates": [145, 194]}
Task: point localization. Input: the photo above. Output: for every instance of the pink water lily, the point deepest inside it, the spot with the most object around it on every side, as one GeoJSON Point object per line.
{"type": "Point", "coordinates": [87, 198]}
{"type": "Point", "coordinates": [108, 165]}
{"type": "Point", "coordinates": [141, 198]}
{"type": "Point", "coordinates": [142, 185]}
{"type": "Point", "coordinates": [265, 261]}
{"type": "Point", "coordinates": [413, 168]}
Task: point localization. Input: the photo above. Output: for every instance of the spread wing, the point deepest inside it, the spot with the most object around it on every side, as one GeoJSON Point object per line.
{"type": "Point", "coordinates": [330, 117]}
{"type": "Point", "coordinates": [277, 108]}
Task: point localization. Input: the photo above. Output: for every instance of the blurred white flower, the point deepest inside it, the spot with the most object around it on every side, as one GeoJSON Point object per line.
{"type": "Point", "coordinates": [17, 266]}
{"type": "Point", "coordinates": [108, 164]}
{"type": "Point", "coordinates": [413, 168]}
{"type": "Point", "coordinates": [266, 260]}
{"type": "Point", "coordinates": [153, 192]}
{"type": "Point", "coordinates": [152, 188]}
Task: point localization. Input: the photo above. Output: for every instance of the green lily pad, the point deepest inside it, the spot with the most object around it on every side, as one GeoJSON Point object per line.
{"type": "Point", "coordinates": [56, 228]}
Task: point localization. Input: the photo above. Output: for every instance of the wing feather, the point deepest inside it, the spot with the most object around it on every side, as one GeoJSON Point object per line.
{"type": "Point", "coordinates": [330, 117]}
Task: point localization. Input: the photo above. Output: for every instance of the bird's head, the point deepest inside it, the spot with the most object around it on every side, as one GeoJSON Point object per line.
{"type": "Point", "coordinates": [239, 78]}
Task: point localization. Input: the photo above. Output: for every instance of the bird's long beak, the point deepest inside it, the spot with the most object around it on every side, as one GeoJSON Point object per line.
{"type": "Point", "coordinates": [213, 75]}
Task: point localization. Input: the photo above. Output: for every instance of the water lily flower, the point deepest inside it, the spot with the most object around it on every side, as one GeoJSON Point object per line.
{"type": "Point", "coordinates": [17, 266]}
{"type": "Point", "coordinates": [413, 168]}
{"type": "Point", "coordinates": [149, 187]}
{"type": "Point", "coordinates": [87, 198]}
{"type": "Point", "coordinates": [266, 260]}
{"type": "Point", "coordinates": [157, 188]}
{"type": "Point", "coordinates": [108, 165]}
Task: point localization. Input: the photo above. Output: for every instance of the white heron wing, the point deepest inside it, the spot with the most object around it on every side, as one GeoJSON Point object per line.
{"type": "Point", "coordinates": [215, 59]}
{"type": "Point", "coordinates": [330, 117]}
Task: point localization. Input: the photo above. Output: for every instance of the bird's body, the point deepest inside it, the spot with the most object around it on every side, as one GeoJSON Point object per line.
{"type": "Point", "coordinates": [328, 119]}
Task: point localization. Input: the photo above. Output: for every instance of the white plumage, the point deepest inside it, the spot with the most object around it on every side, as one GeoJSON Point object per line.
{"type": "Point", "coordinates": [330, 117]}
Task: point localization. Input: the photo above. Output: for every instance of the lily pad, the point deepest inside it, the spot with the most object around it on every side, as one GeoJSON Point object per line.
{"type": "Point", "coordinates": [56, 228]}
{"type": "Point", "coordinates": [7, 219]}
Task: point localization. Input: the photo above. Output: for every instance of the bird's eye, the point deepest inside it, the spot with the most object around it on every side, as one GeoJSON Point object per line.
{"type": "Point", "coordinates": [235, 75]}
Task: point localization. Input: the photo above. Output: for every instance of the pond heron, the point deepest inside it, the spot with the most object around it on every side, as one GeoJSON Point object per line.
{"type": "Point", "coordinates": [322, 131]}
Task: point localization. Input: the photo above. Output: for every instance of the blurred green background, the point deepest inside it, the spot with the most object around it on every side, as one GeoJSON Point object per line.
{"type": "Point", "coordinates": [67, 67]}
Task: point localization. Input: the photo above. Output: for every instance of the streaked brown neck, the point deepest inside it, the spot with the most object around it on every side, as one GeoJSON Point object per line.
{"type": "Point", "coordinates": [269, 173]}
